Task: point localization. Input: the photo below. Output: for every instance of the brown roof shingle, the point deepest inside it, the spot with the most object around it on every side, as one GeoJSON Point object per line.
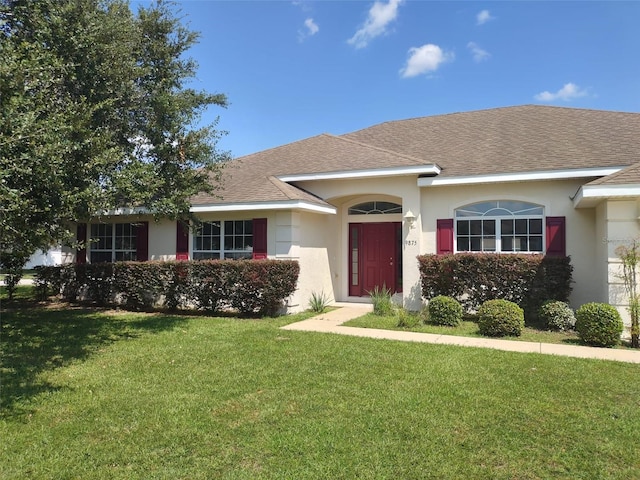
{"type": "Point", "coordinates": [500, 140]}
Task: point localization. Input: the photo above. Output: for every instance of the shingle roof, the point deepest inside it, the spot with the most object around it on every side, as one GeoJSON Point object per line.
{"type": "Point", "coordinates": [513, 139]}
{"type": "Point", "coordinates": [501, 140]}
{"type": "Point", "coordinates": [627, 176]}
{"type": "Point", "coordinates": [252, 178]}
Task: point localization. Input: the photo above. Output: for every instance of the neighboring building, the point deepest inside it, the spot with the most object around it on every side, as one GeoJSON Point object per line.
{"type": "Point", "coordinates": [355, 210]}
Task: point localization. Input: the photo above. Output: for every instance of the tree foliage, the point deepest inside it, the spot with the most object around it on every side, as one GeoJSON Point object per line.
{"type": "Point", "coordinates": [97, 114]}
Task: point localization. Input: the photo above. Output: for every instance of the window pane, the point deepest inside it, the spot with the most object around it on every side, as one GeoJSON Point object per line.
{"type": "Point", "coordinates": [463, 244]}
{"type": "Point", "coordinates": [476, 244]}
{"type": "Point", "coordinates": [521, 226]}
{"type": "Point", "coordinates": [507, 244]}
{"type": "Point", "coordinates": [535, 243]}
{"type": "Point", "coordinates": [99, 257]}
{"type": "Point", "coordinates": [206, 256]}
{"type": "Point", "coordinates": [463, 227]}
{"type": "Point", "coordinates": [489, 244]}
{"type": "Point", "coordinates": [475, 227]}
{"type": "Point", "coordinates": [488, 227]}
{"type": "Point", "coordinates": [228, 242]}
{"type": "Point", "coordinates": [521, 244]}
{"type": "Point", "coordinates": [506, 226]}
{"type": "Point", "coordinates": [535, 226]}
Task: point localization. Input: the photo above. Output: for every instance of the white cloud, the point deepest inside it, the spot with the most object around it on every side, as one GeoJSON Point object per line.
{"type": "Point", "coordinates": [568, 92]}
{"type": "Point", "coordinates": [479, 54]}
{"type": "Point", "coordinates": [380, 16]}
{"type": "Point", "coordinates": [311, 29]}
{"type": "Point", "coordinates": [425, 59]}
{"type": "Point", "coordinates": [483, 17]}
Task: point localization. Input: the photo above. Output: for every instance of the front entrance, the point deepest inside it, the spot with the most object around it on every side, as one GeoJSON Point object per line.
{"type": "Point", "coordinates": [375, 257]}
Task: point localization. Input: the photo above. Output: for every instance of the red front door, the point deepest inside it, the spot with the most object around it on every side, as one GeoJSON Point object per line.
{"type": "Point", "coordinates": [373, 257]}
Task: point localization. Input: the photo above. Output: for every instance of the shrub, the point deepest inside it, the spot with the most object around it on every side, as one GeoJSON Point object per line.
{"type": "Point", "coordinates": [406, 319]}
{"type": "Point", "coordinates": [499, 318]}
{"type": "Point", "coordinates": [599, 324]}
{"type": "Point", "coordinates": [445, 310]}
{"type": "Point", "coordinates": [382, 303]}
{"type": "Point", "coordinates": [318, 302]}
{"type": "Point", "coordinates": [557, 315]}
{"type": "Point", "coordinates": [251, 287]}
{"type": "Point", "coordinates": [474, 278]}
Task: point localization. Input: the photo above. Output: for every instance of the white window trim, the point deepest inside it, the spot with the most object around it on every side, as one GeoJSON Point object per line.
{"type": "Point", "coordinates": [222, 252]}
{"type": "Point", "coordinates": [113, 250]}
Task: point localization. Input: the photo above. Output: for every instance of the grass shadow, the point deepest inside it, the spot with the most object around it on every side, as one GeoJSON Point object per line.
{"type": "Point", "coordinates": [36, 340]}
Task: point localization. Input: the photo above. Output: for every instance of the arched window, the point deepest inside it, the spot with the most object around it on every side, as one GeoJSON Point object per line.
{"type": "Point", "coordinates": [499, 226]}
{"type": "Point", "coordinates": [375, 208]}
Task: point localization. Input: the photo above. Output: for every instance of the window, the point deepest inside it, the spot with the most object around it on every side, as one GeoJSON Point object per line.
{"type": "Point", "coordinates": [113, 242]}
{"type": "Point", "coordinates": [375, 208]}
{"type": "Point", "coordinates": [499, 226]}
{"type": "Point", "coordinates": [231, 239]}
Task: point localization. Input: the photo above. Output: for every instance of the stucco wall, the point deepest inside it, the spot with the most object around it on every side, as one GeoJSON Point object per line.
{"type": "Point", "coordinates": [555, 196]}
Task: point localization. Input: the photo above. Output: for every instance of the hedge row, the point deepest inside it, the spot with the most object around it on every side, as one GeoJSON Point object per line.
{"type": "Point", "coordinates": [472, 279]}
{"type": "Point", "coordinates": [249, 287]}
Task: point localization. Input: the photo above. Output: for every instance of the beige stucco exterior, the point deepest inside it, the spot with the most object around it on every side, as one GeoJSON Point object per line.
{"type": "Point", "coordinates": [319, 240]}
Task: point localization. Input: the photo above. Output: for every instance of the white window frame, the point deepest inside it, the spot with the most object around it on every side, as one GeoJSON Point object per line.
{"type": "Point", "coordinates": [499, 211]}
{"type": "Point", "coordinates": [126, 254]}
{"type": "Point", "coordinates": [223, 252]}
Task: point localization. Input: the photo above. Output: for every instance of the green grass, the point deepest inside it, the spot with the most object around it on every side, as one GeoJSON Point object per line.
{"type": "Point", "coordinates": [93, 395]}
{"type": "Point", "coordinates": [466, 329]}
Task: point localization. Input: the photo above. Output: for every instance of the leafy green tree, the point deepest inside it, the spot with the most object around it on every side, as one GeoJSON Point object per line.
{"type": "Point", "coordinates": [96, 114]}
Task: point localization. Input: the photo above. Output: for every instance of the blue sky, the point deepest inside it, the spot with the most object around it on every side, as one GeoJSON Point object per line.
{"type": "Point", "coordinates": [295, 69]}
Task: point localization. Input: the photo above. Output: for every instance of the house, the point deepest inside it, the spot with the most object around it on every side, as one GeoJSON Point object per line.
{"type": "Point", "coordinates": [356, 209]}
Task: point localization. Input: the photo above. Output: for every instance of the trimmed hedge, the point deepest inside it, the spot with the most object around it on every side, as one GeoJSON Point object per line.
{"type": "Point", "coordinates": [474, 278]}
{"type": "Point", "coordinates": [445, 311]}
{"type": "Point", "coordinates": [599, 324]}
{"type": "Point", "coordinates": [556, 315]}
{"type": "Point", "coordinates": [499, 318]}
{"type": "Point", "coordinates": [254, 287]}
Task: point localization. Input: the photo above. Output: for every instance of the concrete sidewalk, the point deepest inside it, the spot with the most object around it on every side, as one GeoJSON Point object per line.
{"type": "Point", "coordinates": [331, 322]}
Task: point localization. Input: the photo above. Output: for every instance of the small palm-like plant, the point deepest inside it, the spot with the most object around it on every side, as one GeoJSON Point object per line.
{"type": "Point", "coordinates": [318, 302]}
{"type": "Point", "coordinates": [381, 299]}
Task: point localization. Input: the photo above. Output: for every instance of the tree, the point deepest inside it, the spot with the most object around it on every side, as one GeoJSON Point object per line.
{"type": "Point", "coordinates": [96, 114]}
{"type": "Point", "coordinates": [629, 255]}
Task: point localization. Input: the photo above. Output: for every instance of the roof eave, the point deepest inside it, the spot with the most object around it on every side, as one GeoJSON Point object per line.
{"type": "Point", "coordinates": [277, 205]}
{"type": "Point", "coordinates": [432, 169]}
{"type": "Point", "coordinates": [518, 177]}
{"type": "Point", "coordinates": [590, 195]}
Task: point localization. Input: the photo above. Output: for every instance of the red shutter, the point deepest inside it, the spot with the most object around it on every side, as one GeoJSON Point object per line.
{"type": "Point", "coordinates": [556, 240]}
{"type": "Point", "coordinates": [142, 241]}
{"type": "Point", "coordinates": [444, 235]}
{"type": "Point", "coordinates": [81, 237]}
{"type": "Point", "coordinates": [259, 238]}
{"type": "Point", "coordinates": [182, 241]}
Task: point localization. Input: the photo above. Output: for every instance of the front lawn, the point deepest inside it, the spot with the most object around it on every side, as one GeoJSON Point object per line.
{"type": "Point", "coordinates": [92, 395]}
{"type": "Point", "coordinates": [465, 329]}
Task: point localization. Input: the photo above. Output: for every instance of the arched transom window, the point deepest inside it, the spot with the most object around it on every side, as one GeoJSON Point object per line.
{"type": "Point", "coordinates": [499, 226]}
{"type": "Point", "coordinates": [375, 208]}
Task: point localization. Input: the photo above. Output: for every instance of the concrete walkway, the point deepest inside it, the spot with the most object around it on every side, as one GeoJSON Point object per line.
{"type": "Point", "coordinates": [331, 322]}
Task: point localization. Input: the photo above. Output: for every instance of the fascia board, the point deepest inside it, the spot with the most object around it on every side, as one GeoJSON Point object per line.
{"type": "Point", "coordinates": [287, 205]}
{"type": "Point", "coordinates": [369, 173]}
{"type": "Point", "coordinates": [519, 177]}
{"type": "Point", "coordinates": [589, 193]}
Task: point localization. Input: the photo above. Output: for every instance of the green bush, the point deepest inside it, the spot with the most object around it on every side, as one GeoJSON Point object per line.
{"type": "Point", "coordinates": [474, 278]}
{"type": "Point", "coordinates": [250, 287]}
{"type": "Point", "coordinates": [599, 324]}
{"type": "Point", "coordinates": [382, 303]}
{"type": "Point", "coordinates": [557, 315]}
{"type": "Point", "coordinates": [406, 319]}
{"type": "Point", "coordinates": [445, 310]}
{"type": "Point", "coordinates": [499, 318]}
